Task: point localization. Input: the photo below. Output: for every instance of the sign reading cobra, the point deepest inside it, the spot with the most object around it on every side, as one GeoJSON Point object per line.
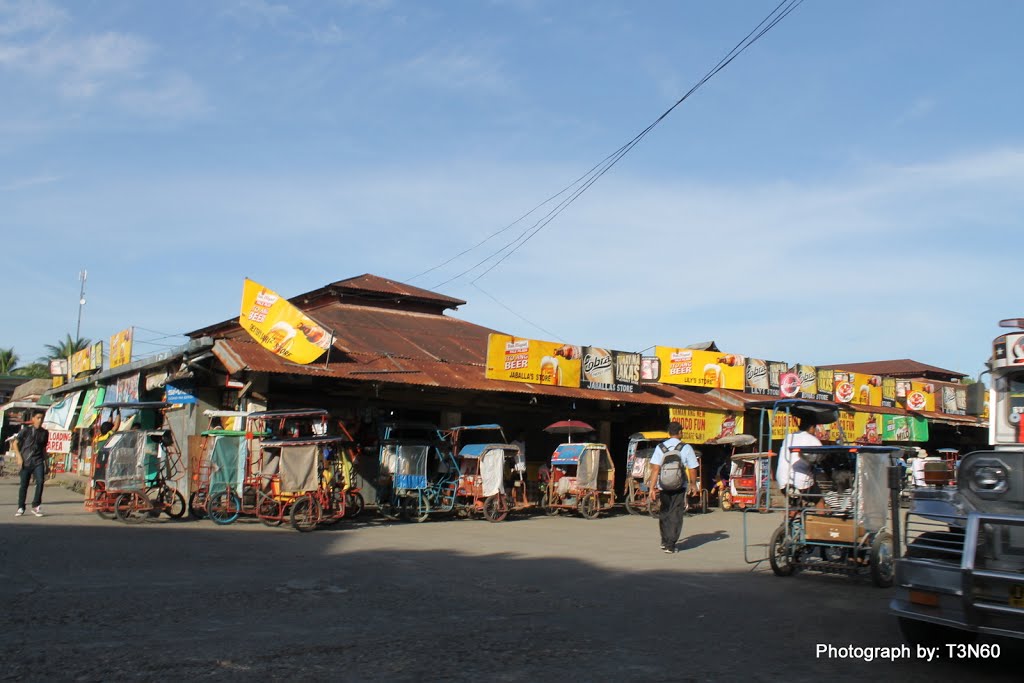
{"type": "Point", "coordinates": [280, 327]}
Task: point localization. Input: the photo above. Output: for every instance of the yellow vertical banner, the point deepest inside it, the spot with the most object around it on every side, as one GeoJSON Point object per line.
{"type": "Point", "coordinates": [280, 327]}
{"type": "Point", "coordinates": [121, 347]}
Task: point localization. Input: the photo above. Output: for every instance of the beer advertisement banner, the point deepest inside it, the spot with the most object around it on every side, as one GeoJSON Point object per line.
{"type": "Point", "coordinates": [916, 396]}
{"type": "Point", "coordinates": [693, 367]}
{"type": "Point", "coordinates": [704, 426]}
{"type": "Point", "coordinates": [87, 360]}
{"type": "Point", "coordinates": [904, 428]}
{"type": "Point", "coordinates": [844, 429]}
{"type": "Point", "coordinates": [826, 380]}
{"type": "Point", "coordinates": [280, 327]}
{"type": "Point", "coordinates": [889, 392]}
{"type": "Point", "coordinates": [951, 398]}
{"type": "Point", "coordinates": [512, 359]}
{"type": "Point", "coordinates": [764, 378]}
{"type": "Point", "coordinates": [857, 388]}
{"type": "Point", "coordinates": [610, 370]}
{"type": "Point", "coordinates": [121, 348]}
{"type": "Point", "coordinates": [780, 426]}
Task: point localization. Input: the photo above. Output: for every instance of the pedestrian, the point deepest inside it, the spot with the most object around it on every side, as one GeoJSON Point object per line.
{"type": "Point", "coordinates": [30, 452]}
{"type": "Point", "coordinates": [520, 443]}
{"type": "Point", "coordinates": [671, 459]}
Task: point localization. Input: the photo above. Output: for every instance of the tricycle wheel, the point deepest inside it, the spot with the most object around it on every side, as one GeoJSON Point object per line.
{"type": "Point", "coordinates": [388, 511]}
{"type": "Point", "coordinates": [882, 565]}
{"type": "Point", "coordinates": [780, 553]}
{"type": "Point", "coordinates": [590, 506]}
{"type": "Point", "coordinates": [171, 501]}
{"type": "Point", "coordinates": [223, 508]}
{"type": "Point", "coordinates": [496, 508]}
{"type": "Point", "coordinates": [549, 509]}
{"type": "Point", "coordinates": [269, 511]}
{"type": "Point", "coordinates": [194, 511]}
{"type": "Point", "coordinates": [131, 508]}
{"type": "Point", "coordinates": [725, 501]}
{"type": "Point", "coordinates": [354, 503]}
{"type": "Point", "coordinates": [654, 507]}
{"type": "Point", "coordinates": [935, 635]}
{"type": "Point", "coordinates": [631, 506]}
{"type": "Point", "coordinates": [306, 513]}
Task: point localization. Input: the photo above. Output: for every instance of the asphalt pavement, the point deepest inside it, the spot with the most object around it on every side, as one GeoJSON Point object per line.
{"type": "Point", "coordinates": [533, 598]}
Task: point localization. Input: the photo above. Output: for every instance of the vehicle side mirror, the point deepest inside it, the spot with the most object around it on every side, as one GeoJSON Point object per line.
{"type": "Point", "coordinates": [976, 398]}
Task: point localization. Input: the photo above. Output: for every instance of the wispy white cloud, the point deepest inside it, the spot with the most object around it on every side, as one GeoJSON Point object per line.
{"type": "Point", "coordinates": [29, 15]}
{"type": "Point", "coordinates": [33, 181]}
{"type": "Point", "coordinates": [456, 69]}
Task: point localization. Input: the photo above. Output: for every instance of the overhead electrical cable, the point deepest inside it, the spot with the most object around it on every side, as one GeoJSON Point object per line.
{"type": "Point", "coordinates": [582, 184]}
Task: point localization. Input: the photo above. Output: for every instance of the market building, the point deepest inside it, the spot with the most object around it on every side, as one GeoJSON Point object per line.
{"type": "Point", "coordinates": [397, 353]}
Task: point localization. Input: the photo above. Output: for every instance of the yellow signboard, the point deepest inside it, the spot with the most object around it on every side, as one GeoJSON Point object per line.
{"type": "Point", "coordinates": [857, 388]}
{"type": "Point", "coordinates": [702, 426]}
{"type": "Point", "coordinates": [121, 348]}
{"type": "Point", "coordinates": [87, 359]}
{"type": "Point", "coordinates": [280, 327]}
{"type": "Point", "coordinates": [513, 359]}
{"type": "Point", "coordinates": [698, 368]}
{"type": "Point", "coordinates": [916, 396]}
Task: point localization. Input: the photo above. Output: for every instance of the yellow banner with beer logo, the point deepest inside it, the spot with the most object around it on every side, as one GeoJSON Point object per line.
{"type": "Point", "coordinates": [857, 388]}
{"type": "Point", "coordinates": [916, 396]}
{"type": "Point", "coordinates": [280, 327]}
{"type": "Point", "coordinates": [694, 367]}
{"type": "Point", "coordinates": [704, 426]}
{"type": "Point", "coordinates": [514, 359]}
{"type": "Point", "coordinates": [121, 348]}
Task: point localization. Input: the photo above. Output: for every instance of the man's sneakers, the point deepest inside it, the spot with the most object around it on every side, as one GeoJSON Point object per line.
{"type": "Point", "coordinates": [37, 512]}
{"type": "Point", "coordinates": [20, 512]}
{"type": "Point", "coordinates": [667, 549]}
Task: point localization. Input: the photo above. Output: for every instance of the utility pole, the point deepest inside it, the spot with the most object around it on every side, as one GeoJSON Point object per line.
{"type": "Point", "coordinates": [82, 275]}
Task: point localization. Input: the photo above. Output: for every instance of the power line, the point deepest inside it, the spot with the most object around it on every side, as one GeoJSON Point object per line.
{"type": "Point", "coordinates": [780, 12]}
{"type": "Point", "coordinates": [555, 337]}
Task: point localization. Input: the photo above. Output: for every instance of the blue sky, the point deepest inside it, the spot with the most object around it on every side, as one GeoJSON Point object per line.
{"type": "Point", "coordinates": [849, 189]}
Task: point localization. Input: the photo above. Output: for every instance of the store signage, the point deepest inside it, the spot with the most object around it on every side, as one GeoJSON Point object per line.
{"type": "Point", "coordinates": [121, 347]}
{"type": "Point", "coordinates": [59, 442]}
{"type": "Point", "coordinates": [514, 359]}
{"type": "Point", "coordinates": [694, 367]}
{"type": "Point", "coordinates": [89, 412]}
{"type": "Point", "coordinates": [764, 378]}
{"type": "Point", "coordinates": [180, 393]}
{"type": "Point", "coordinates": [610, 370]}
{"type": "Point", "coordinates": [704, 426]}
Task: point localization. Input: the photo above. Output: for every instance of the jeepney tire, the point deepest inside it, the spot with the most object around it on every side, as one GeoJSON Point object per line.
{"type": "Point", "coordinates": [935, 635]}
{"type": "Point", "coordinates": [223, 508]}
{"type": "Point", "coordinates": [306, 513]}
{"type": "Point", "coordinates": [590, 506]}
{"type": "Point", "coordinates": [496, 508]}
{"type": "Point", "coordinates": [127, 508]}
{"type": "Point", "coordinates": [779, 553]}
{"type": "Point", "coordinates": [882, 562]}
{"type": "Point", "coordinates": [193, 511]}
{"type": "Point", "coordinates": [725, 502]}
{"type": "Point", "coordinates": [354, 504]}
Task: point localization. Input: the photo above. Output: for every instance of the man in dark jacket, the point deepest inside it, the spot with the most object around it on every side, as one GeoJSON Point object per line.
{"type": "Point", "coordinates": [30, 452]}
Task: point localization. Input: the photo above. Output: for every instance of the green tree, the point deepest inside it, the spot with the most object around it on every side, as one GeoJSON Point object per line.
{"type": "Point", "coordinates": [66, 347]}
{"type": "Point", "coordinates": [8, 361]}
{"type": "Point", "coordinates": [34, 370]}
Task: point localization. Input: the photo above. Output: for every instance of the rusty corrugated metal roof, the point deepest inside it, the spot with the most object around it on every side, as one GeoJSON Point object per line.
{"type": "Point", "coordinates": [903, 367]}
{"type": "Point", "coordinates": [239, 354]}
{"type": "Point", "coordinates": [374, 284]}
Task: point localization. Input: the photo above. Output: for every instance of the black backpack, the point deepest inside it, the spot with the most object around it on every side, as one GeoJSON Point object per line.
{"type": "Point", "coordinates": [672, 476]}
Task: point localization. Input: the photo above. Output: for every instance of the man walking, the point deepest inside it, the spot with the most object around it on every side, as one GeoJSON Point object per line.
{"type": "Point", "coordinates": [671, 459]}
{"type": "Point", "coordinates": [30, 453]}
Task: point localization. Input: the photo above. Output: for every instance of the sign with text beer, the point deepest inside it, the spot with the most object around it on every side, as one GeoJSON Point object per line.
{"type": "Point", "coordinates": [513, 359]}
{"type": "Point", "coordinates": [857, 388]}
{"type": "Point", "coordinates": [610, 370]}
{"type": "Point", "coordinates": [280, 327]}
{"type": "Point", "coordinates": [904, 428]}
{"type": "Point", "coordinates": [121, 348]}
{"type": "Point", "coordinates": [703, 426]}
{"type": "Point", "coordinates": [916, 396]}
{"type": "Point", "coordinates": [764, 377]}
{"type": "Point", "coordinates": [694, 367]}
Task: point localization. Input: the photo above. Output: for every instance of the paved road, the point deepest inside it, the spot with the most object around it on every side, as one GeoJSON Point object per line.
{"type": "Point", "coordinates": [537, 598]}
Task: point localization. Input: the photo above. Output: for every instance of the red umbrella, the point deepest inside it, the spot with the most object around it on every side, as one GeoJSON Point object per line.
{"type": "Point", "coordinates": [569, 427]}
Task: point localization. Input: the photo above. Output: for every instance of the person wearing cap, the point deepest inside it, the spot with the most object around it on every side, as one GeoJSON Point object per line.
{"type": "Point", "coordinates": [673, 503]}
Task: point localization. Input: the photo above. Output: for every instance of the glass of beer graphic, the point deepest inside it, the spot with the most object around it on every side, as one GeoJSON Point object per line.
{"type": "Point", "coordinates": [549, 371]}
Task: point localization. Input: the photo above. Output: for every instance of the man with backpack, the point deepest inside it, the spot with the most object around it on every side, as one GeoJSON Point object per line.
{"type": "Point", "coordinates": [673, 469]}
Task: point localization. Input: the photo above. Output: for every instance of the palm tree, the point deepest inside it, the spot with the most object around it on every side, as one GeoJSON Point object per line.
{"type": "Point", "coordinates": [34, 370]}
{"type": "Point", "coordinates": [8, 361]}
{"type": "Point", "coordinates": [66, 347]}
